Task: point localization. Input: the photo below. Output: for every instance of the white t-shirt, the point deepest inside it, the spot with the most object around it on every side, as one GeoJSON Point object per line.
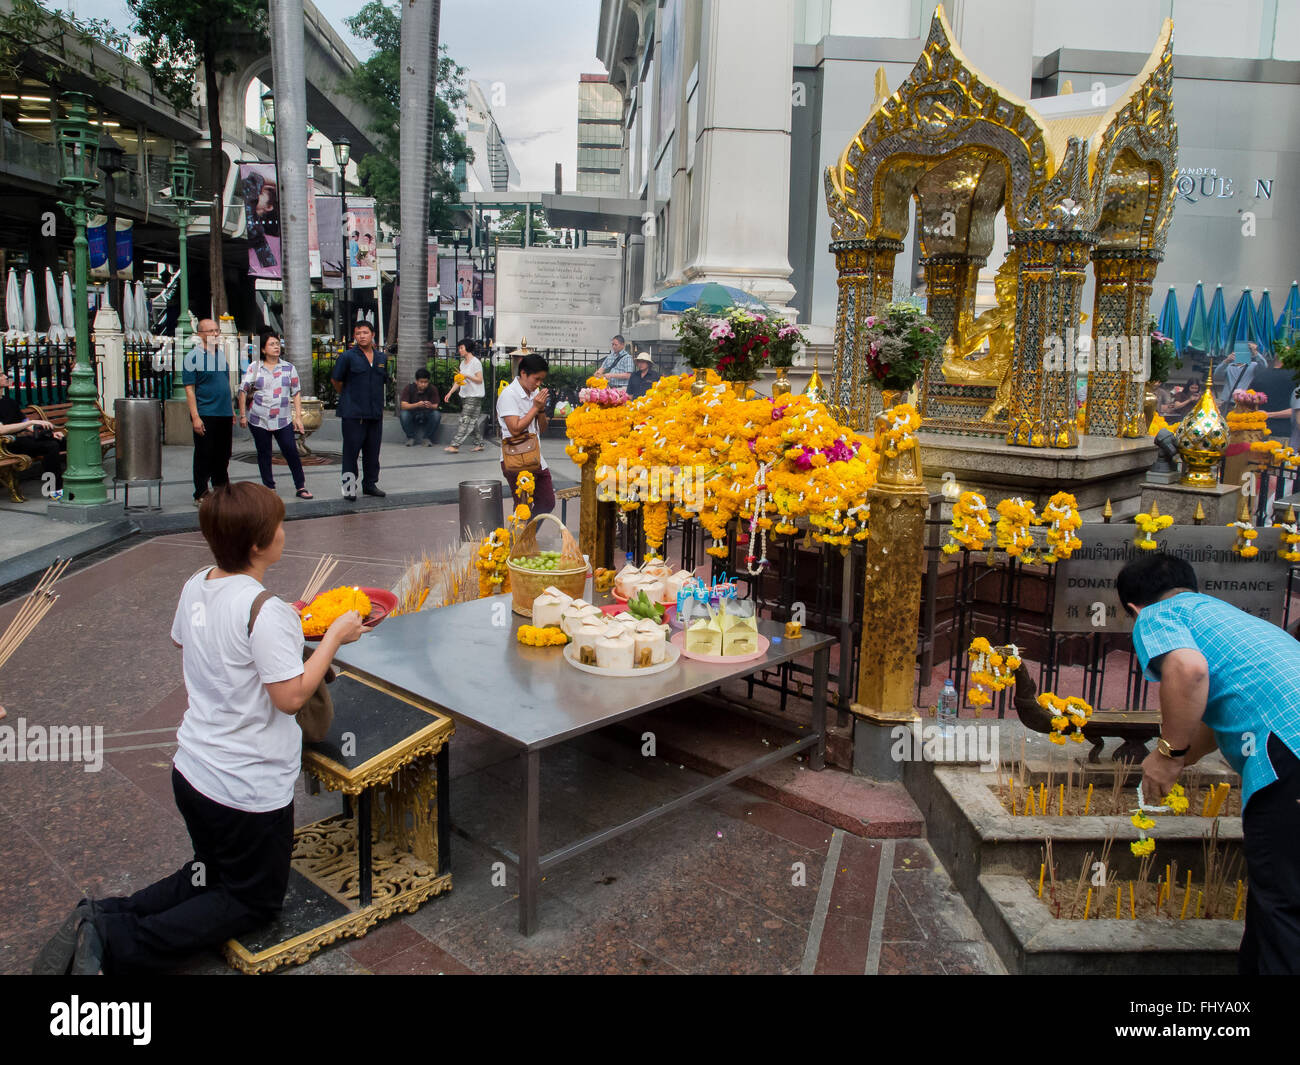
{"type": "Point", "coordinates": [235, 747]}
{"type": "Point", "coordinates": [517, 403]}
{"type": "Point", "coordinates": [469, 389]}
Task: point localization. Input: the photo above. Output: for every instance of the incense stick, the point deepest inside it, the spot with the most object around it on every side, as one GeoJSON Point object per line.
{"type": "Point", "coordinates": [324, 569]}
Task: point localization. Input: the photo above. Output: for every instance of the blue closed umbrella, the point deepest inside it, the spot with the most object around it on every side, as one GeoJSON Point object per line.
{"type": "Point", "coordinates": [1168, 322]}
{"type": "Point", "coordinates": [1264, 319]}
{"type": "Point", "coordinates": [1242, 326]}
{"type": "Point", "coordinates": [1288, 322]}
{"type": "Point", "coordinates": [1196, 331]}
{"type": "Point", "coordinates": [1217, 320]}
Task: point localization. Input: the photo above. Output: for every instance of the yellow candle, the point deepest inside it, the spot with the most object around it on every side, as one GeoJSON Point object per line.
{"type": "Point", "coordinates": [1205, 805]}
{"type": "Point", "coordinates": [1088, 800]}
{"type": "Point", "coordinates": [1236, 909]}
{"type": "Point", "coordinates": [1042, 799]}
{"type": "Point", "coordinates": [1187, 894]}
{"type": "Point", "coordinates": [1087, 904]}
{"type": "Point", "coordinates": [1119, 896]}
{"type": "Point", "coordinates": [1042, 872]}
{"type": "Point", "coordinates": [1012, 781]}
{"type": "Point", "coordinates": [1060, 800]}
{"type": "Point", "coordinates": [1132, 906]}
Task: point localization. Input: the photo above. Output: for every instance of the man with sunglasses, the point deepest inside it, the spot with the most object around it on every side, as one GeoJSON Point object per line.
{"type": "Point", "coordinates": [1232, 681]}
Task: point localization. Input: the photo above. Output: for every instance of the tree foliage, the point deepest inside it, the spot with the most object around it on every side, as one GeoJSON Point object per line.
{"type": "Point", "coordinates": [509, 228]}
{"type": "Point", "coordinates": [31, 31]}
{"type": "Point", "coordinates": [377, 84]}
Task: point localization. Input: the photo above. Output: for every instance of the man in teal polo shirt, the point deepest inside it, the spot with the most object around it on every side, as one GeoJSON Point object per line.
{"type": "Point", "coordinates": [206, 378]}
{"type": "Point", "coordinates": [1232, 681]}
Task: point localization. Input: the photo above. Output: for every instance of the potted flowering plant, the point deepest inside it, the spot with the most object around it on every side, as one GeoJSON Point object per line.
{"type": "Point", "coordinates": [696, 347]}
{"type": "Point", "coordinates": [743, 341]}
{"type": "Point", "coordinates": [899, 344]}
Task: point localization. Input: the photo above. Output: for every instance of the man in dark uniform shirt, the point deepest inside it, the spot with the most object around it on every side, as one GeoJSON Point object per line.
{"type": "Point", "coordinates": [359, 378]}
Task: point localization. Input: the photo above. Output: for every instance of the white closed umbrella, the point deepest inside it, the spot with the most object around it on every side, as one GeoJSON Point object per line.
{"type": "Point", "coordinates": [128, 320]}
{"type": "Point", "coordinates": [142, 314]}
{"type": "Point", "coordinates": [29, 306]}
{"type": "Point", "coordinates": [13, 308]}
{"type": "Point", "coordinates": [56, 334]}
{"type": "Point", "coordinates": [69, 310]}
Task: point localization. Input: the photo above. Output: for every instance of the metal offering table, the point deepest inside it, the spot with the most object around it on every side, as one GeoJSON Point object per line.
{"type": "Point", "coordinates": [387, 851]}
{"type": "Point", "coordinates": [532, 699]}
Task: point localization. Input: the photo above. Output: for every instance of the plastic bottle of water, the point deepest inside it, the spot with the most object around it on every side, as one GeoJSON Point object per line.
{"type": "Point", "coordinates": [946, 711]}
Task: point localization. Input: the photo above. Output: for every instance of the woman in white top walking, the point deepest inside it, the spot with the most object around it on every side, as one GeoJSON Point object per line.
{"type": "Point", "coordinates": [471, 398]}
{"type": "Point", "coordinates": [238, 757]}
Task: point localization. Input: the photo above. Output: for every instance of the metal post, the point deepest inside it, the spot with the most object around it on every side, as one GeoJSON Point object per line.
{"type": "Point", "coordinates": [182, 249]}
{"type": "Point", "coordinates": [347, 270]}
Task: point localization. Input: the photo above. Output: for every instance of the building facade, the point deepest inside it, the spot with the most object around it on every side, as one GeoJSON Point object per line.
{"type": "Point", "coordinates": [492, 169]}
{"type": "Point", "coordinates": [600, 137]}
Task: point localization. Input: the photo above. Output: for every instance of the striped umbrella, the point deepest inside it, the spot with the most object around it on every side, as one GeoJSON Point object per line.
{"type": "Point", "coordinates": [1168, 322]}
{"type": "Point", "coordinates": [1288, 322]}
{"type": "Point", "coordinates": [1217, 318]}
{"type": "Point", "coordinates": [709, 297]}
{"type": "Point", "coordinates": [1264, 320]}
{"type": "Point", "coordinates": [1196, 331]}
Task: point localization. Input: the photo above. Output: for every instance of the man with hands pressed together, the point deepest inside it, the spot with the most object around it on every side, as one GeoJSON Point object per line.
{"type": "Point", "coordinates": [1232, 681]}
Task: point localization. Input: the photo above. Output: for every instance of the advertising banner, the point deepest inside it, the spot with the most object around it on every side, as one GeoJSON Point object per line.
{"type": "Point", "coordinates": [97, 238]}
{"type": "Point", "coordinates": [465, 285]}
{"type": "Point", "coordinates": [490, 296]}
{"type": "Point", "coordinates": [434, 286]}
{"type": "Point", "coordinates": [261, 196]}
{"type": "Point", "coordinates": [363, 255]}
{"type": "Point", "coordinates": [447, 283]}
{"type": "Point", "coordinates": [329, 225]}
{"type": "Point", "coordinates": [313, 234]}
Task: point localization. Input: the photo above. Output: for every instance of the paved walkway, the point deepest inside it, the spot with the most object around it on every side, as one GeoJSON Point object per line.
{"type": "Point", "coordinates": [735, 883]}
{"type": "Point", "coordinates": [30, 540]}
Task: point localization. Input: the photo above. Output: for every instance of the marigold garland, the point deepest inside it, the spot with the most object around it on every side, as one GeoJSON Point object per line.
{"type": "Point", "coordinates": [1247, 421]}
{"type": "Point", "coordinates": [1175, 802]}
{"type": "Point", "coordinates": [1290, 536]}
{"type": "Point", "coordinates": [1157, 423]}
{"type": "Point", "coordinates": [1069, 715]}
{"type": "Point", "coordinates": [326, 608]}
{"type": "Point", "coordinates": [992, 668]}
{"type": "Point", "coordinates": [541, 636]}
{"type": "Point", "coordinates": [1062, 511]}
{"type": "Point", "coordinates": [1246, 532]}
{"type": "Point", "coordinates": [904, 423]}
{"type": "Point", "coordinates": [1148, 526]}
{"type": "Point", "coordinates": [1015, 518]}
{"type": "Point", "coordinates": [970, 524]}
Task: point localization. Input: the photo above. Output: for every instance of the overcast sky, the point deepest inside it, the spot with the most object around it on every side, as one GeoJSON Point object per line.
{"type": "Point", "coordinates": [534, 49]}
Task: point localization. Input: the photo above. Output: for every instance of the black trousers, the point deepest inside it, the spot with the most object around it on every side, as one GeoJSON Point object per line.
{"type": "Point", "coordinates": [45, 450]}
{"type": "Point", "coordinates": [288, 448]}
{"type": "Point", "coordinates": [212, 453]}
{"type": "Point", "coordinates": [361, 436]}
{"type": "Point", "coordinates": [241, 865]}
{"type": "Point", "coordinates": [1271, 837]}
{"type": "Point", "coordinates": [543, 490]}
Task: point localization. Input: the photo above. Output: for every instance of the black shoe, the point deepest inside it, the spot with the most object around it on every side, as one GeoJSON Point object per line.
{"type": "Point", "coordinates": [375, 490]}
{"type": "Point", "coordinates": [349, 497]}
{"type": "Point", "coordinates": [55, 957]}
{"type": "Point", "coordinates": [89, 957]}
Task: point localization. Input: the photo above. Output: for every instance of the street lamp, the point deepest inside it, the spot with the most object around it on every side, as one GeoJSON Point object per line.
{"type": "Point", "coordinates": [343, 152]}
{"type": "Point", "coordinates": [112, 160]}
{"type": "Point", "coordinates": [78, 148]}
{"type": "Point", "coordinates": [183, 197]}
{"type": "Point", "coordinates": [268, 108]}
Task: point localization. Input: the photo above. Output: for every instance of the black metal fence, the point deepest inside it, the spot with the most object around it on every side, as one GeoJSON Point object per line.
{"type": "Point", "coordinates": [147, 371]}
{"type": "Point", "coordinates": [41, 371]}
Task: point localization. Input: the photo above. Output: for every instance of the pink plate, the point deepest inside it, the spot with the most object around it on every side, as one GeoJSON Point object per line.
{"type": "Point", "coordinates": [382, 603]}
{"type": "Point", "coordinates": [679, 641]}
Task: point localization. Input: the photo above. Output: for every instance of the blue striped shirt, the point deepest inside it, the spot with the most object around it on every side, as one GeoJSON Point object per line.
{"type": "Point", "coordinates": [1254, 676]}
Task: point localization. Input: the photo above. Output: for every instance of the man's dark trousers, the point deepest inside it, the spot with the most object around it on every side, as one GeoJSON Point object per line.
{"type": "Point", "coordinates": [212, 453]}
{"type": "Point", "coordinates": [361, 436]}
{"type": "Point", "coordinates": [1271, 840]}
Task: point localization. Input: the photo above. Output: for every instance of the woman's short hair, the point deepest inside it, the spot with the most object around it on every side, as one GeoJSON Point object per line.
{"type": "Point", "coordinates": [237, 517]}
{"type": "Point", "coordinates": [534, 363]}
{"type": "Point", "coordinates": [263, 335]}
{"type": "Point", "coordinates": [1144, 580]}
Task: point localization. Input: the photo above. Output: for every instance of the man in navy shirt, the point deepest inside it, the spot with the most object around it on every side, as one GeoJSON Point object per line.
{"type": "Point", "coordinates": [359, 378]}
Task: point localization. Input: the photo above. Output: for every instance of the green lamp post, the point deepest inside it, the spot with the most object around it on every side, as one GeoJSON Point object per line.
{"type": "Point", "coordinates": [183, 198]}
{"type": "Point", "coordinates": [83, 483]}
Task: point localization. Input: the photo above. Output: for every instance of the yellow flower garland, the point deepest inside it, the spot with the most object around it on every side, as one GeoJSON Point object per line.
{"type": "Point", "coordinates": [1149, 526]}
{"type": "Point", "coordinates": [992, 668]}
{"type": "Point", "coordinates": [1015, 518]}
{"type": "Point", "coordinates": [326, 608]}
{"type": "Point", "coordinates": [1246, 532]}
{"type": "Point", "coordinates": [1062, 511]}
{"type": "Point", "coordinates": [1290, 536]}
{"type": "Point", "coordinates": [1158, 423]}
{"type": "Point", "coordinates": [904, 423]}
{"type": "Point", "coordinates": [970, 524]}
{"type": "Point", "coordinates": [1069, 715]}
{"type": "Point", "coordinates": [1247, 421]}
{"type": "Point", "coordinates": [541, 636]}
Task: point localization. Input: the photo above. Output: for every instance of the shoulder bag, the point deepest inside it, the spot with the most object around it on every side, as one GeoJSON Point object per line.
{"type": "Point", "coordinates": [317, 713]}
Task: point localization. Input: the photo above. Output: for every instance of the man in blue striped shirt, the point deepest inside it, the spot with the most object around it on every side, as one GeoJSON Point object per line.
{"type": "Point", "coordinates": [1232, 681]}
{"type": "Point", "coordinates": [616, 367]}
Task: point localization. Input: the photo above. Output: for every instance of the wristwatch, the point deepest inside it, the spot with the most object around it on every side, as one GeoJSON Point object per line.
{"type": "Point", "coordinates": [1162, 747]}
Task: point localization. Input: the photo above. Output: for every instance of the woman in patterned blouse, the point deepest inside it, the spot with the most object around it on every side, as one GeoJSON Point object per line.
{"type": "Point", "coordinates": [276, 411]}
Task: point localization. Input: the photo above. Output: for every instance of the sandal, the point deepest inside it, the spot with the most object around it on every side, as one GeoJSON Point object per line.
{"type": "Point", "coordinates": [479, 448]}
{"type": "Point", "coordinates": [302, 493]}
{"type": "Point", "coordinates": [452, 450]}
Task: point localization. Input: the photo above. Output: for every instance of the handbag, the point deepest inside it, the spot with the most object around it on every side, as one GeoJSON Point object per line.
{"type": "Point", "coordinates": [520, 453]}
{"type": "Point", "coordinates": [316, 715]}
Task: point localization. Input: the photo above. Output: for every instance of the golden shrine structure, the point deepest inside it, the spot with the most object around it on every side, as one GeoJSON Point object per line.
{"type": "Point", "coordinates": [1089, 183]}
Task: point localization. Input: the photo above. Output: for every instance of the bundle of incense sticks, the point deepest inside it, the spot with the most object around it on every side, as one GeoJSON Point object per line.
{"type": "Point", "coordinates": [35, 606]}
{"type": "Point", "coordinates": [322, 573]}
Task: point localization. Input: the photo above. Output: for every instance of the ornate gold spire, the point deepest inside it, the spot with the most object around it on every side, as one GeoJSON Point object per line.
{"type": "Point", "coordinates": [1199, 516]}
{"type": "Point", "coordinates": [814, 389]}
{"type": "Point", "coordinates": [1202, 437]}
{"type": "Point", "coordinates": [1107, 511]}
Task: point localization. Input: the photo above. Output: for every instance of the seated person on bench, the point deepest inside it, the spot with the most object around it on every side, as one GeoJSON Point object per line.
{"type": "Point", "coordinates": [33, 437]}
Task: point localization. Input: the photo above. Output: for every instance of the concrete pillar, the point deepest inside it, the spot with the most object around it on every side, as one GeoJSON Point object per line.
{"type": "Point", "coordinates": [110, 352]}
{"type": "Point", "coordinates": [1052, 268]}
{"type": "Point", "coordinates": [1120, 341]}
{"type": "Point", "coordinates": [866, 285]}
{"type": "Point", "coordinates": [740, 206]}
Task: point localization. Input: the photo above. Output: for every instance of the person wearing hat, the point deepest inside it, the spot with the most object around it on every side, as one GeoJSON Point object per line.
{"type": "Point", "coordinates": [643, 377]}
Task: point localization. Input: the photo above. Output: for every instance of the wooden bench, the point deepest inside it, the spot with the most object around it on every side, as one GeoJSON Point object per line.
{"type": "Point", "coordinates": [57, 415]}
{"type": "Point", "coordinates": [1136, 728]}
{"type": "Point", "coordinates": [11, 466]}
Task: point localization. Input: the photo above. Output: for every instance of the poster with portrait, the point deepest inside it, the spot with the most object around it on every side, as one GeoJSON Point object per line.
{"type": "Point", "coordinates": [433, 280]}
{"type": "Point", "coordinates": [261, 195]}
{"type": "Point", "coordinates": [490, 296]}
{"type": "Point", "coordinates": [465, 285]}
{"type": "Point", "coordinates": [446, 283]}
{"type": "Point", "coordinates": [329, 224]}
{"type": "Point", "coordinates": [363, 255]}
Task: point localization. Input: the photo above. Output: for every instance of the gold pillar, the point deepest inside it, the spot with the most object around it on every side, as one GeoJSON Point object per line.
{"type": "Point", "coordinates": [593, 518]}
{"type": "Point", "coordinates": [866, 285]}
{"type": "Point", "coordinates": [892, 589]}
{"type": "Point", "coordinates": [1121, 344]}
{"type": "Point", "coordinates": [1053, 264]}
{"type": "Point", "coordinates": [950, 282]}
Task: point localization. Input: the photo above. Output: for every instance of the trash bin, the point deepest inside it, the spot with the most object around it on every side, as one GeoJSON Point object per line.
{"type": "Point", "coordinates": [139, 441]}
{"type": "Point", "coordinates": [481, 509]}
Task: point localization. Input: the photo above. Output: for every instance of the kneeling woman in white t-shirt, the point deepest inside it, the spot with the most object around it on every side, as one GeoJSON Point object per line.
{"type": "Point", "coordinates": [239, 754]}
